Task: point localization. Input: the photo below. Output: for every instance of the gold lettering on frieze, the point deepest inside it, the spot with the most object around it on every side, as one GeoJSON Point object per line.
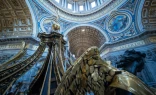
{"type": "Point", "coordinates": [127, 46]}
{"type": "Point", "coordinates": [10, 47]}
{"type": "Point", "coordinates": [152, 39]}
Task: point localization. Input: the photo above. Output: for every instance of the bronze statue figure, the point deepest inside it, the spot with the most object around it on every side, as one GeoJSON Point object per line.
{"type": "Point", "coordinates": [91, 74]}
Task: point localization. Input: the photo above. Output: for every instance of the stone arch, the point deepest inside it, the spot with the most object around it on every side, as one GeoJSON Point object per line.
{"type": "Point", "coordinates": [89, 25]}
{"type": "Point", "coordinates": [83, 37]}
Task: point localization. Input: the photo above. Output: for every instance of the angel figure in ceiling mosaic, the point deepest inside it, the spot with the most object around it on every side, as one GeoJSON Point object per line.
{"type": "Point", "coordinates": [118, 23]}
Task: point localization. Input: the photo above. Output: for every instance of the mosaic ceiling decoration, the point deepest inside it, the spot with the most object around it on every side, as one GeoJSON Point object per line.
{"type": "Point", "coordinates": [118, 22]}
{"type": "Point", "coordinates": [117, 19]}
{"type": "Point", "coordinates": [15, 16]}
{"type": "Point", "coordinates": [81, 38]}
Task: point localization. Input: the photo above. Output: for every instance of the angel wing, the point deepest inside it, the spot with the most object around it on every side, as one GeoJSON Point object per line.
{"type": "Point", "coordinates": [91, 73]}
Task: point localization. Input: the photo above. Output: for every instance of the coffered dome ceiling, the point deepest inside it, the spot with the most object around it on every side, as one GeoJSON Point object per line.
{"type": "Point", "coordinates": [149, 15]}
{"type": "Point", "coordinates": [15, 18]}
{"type": "Point", "coordinates": [81, 38]}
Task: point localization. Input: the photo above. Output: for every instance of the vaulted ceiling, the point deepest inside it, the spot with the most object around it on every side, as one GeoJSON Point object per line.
{"type": "Point", "coordinates": [15, 16]}
{"type": "Point", "coordinates": [149, 15]}
{"type": "Point", "coordinates": [81, 38]}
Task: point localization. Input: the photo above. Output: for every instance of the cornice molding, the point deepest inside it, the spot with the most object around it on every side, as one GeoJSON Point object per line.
{"type": "Point", "coordinates": [15, 40]}
{"type": "Point", "coordinates": [145, 38]}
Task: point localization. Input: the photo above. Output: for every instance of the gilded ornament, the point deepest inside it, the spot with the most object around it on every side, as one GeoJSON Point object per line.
{"type": "Point", "coordinates": [101, 74]}
{"type": "Point", "coordinates": [56, 26]}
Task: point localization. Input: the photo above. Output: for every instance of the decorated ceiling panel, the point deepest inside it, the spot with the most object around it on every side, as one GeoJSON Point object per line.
{"type": "Point", "coordinates": [149, 15]}
{"type": "Point", "coordinates": [15, 16]}
{"type": "Point", "coordinates": [118, 20]}
{"type": "Point", "coordinates": [81, 38]}
{"type": "Point", "coordinates": [120, 25]}
{"type": "Point", "coordinates": [76, 15]}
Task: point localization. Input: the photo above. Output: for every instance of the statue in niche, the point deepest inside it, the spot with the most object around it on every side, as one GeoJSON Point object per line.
{"type": "Point", "coordinates": [118, 23]}
{"type": "Point", "coordinates": [132, 61]}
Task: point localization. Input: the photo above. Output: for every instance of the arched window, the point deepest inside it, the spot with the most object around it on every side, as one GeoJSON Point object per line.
{"type": "Point", "coordinates": [58, 1]}
{"type": "Point", "coordinates": [69, 6]}
{"type": "Point", "coordinates": [93, 4]}
{"type": "Point", "coordinates": [81, 7]}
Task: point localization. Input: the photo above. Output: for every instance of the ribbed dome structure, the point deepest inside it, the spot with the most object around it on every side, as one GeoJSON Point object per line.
{"type": "Point", "coordinates": [80, 6]}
